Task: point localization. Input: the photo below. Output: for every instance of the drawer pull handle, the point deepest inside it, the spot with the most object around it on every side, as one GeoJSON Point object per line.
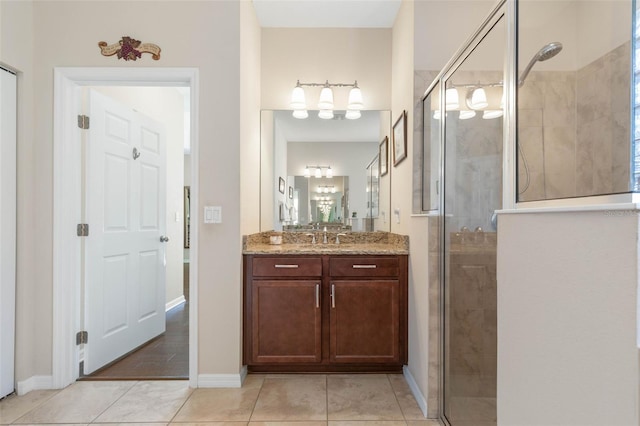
{"type": "Point", "coordinates": [317, 295]}
{"type": "Point", "coordinates": [287, 266]}
{"type": "Point", "coordinates": [364, 266]}
{"type": "Point", "coordinates": [333, 295]}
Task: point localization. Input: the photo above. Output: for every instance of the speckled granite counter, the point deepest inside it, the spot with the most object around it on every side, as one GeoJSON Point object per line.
{"type": "Point", "coordinates": [379, 243]}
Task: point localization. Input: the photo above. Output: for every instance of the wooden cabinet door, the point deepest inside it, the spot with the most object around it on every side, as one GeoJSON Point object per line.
{"type": "Point", "coordinates": [365, 321]}
{"type": "Point", "coordinates": [286, 321]}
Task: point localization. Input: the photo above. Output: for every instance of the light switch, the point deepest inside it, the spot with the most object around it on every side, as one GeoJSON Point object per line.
{"type": "Point", "coordinates": [396, 213]}
{"type": "Point", "coordinates": [213, 214]}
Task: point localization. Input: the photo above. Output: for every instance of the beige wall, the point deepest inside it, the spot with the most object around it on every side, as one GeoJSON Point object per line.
{"type": "Point", "coordinates": [16, 43]}
{"type": "Point", "coordinates": [315, 55]}
{"type": "Point", "coordinates": [207, 37]}
{"type": "Point", "coordinates": [250, 84]}
{"type": "Point", "coordinates": [567, 318]}
{"type": "Point", "coordinates": [165, 105]}
{"type": "Point", "coordinates": [401, 198]}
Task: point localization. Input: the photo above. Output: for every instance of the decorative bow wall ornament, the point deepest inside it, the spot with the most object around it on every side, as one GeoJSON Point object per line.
{"type": "Point", "coordinates": [129, 49]}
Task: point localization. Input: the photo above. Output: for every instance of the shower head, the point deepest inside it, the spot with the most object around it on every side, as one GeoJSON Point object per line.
{"type": "Point", "coordinates": [548, 51]}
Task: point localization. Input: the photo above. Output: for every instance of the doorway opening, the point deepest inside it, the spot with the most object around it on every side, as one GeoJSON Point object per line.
{"type": "Point", "coordinates": [180, 303]}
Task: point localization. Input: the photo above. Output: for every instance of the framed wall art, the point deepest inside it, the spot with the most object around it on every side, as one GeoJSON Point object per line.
{"type": "Point", "coordinates": [400, 139]}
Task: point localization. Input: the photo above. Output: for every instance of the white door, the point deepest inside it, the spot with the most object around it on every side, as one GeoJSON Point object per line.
{"type": "Point", "coordinates": [7, 229]}
{"type": "Point", "coordinates": [125, 209]}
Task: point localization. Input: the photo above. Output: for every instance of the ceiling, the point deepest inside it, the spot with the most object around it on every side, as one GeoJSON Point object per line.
{"type": "Point", "coordinates": [327, 13]}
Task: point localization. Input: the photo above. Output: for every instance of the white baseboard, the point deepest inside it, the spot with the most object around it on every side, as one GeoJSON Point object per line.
{"type": "Point", "coordinates": [34, 383]}
{"type": "Point", "coordinates": [415, 390]}
{"type": "Point", "coordinates": [175, 302]}
{"type": "Point", "coordinates": [222, 380]}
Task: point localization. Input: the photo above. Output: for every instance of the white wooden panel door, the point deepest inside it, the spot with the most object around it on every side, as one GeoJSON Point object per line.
{"type": "Point", "coordinates": [125, 210]}
{"type": "Point", "coordinates": [7, 229]}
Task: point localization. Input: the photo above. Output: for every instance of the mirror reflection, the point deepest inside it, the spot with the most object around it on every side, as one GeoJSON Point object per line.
{"type": "Point", "coordinates": [317, 172]}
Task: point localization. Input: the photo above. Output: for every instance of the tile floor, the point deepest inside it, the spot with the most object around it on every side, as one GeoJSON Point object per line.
{"type": "Point", "coordinates": [263, 400]}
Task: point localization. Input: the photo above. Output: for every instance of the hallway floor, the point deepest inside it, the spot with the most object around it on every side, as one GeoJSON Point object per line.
{"type": "Point", "coordinates": [266, 400]}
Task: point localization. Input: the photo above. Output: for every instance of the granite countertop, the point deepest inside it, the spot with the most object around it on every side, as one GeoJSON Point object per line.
{"type": "Point", "coordinates": [353, 243]}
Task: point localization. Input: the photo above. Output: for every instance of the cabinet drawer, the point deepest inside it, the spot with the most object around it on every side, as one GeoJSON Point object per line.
{"type": "Point", "coordinates": [366, 266]}
{"type": "Point", "coordinates": [287, 267]}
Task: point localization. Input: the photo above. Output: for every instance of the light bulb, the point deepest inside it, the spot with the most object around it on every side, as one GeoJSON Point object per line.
{"type": "Point", "coordinates": [326, 98]}
{"type": "Point", "coordinates": [352, 114]}
{"type": "Point", "coordinates": [466, 114]}
{"type": "Point", "coordinates": [492, 113]}
{"type": "Point", "coordinates": [478, 99]}
{"type": "Point", "coordinates": [333, 189]}
{"type": "Point", "coordinates": [452, 99]}
{"type": "Point", "coordinates": [329, 173]}
{"type": "Point", "coordinates": [300, 113]}
{"type": "Point", "coordinates": [355, 98]}
{"type": "Point", "coordinates": [318, 172]}
{"type": "Point", "coordinates": [326, 190]}
{"type": "Point", "coordinates": [325, 114]}
{"type": "Point", "coordinates": [297, 98]}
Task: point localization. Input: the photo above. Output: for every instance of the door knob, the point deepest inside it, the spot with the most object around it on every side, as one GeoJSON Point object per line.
{"type": "Point", "coordinates": [164, 238]}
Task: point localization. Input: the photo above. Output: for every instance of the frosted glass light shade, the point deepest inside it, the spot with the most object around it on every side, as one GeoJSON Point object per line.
{"type": "Point", "coordinates": [318, 172]}
{"type": "Point", "coordinates": [452, 99]}
{"type": "Point", "coordinates": [326, 99]}
{"type": "Point", "coordinates": [300, 113]}
{"type": "Point", "coordinates": [325, 114]}
{"type": "Point", "coordinates": [466, 114]}
{"type": "Point", "coordinates": [437, 114]}
{"type": "Point", "coordinates": [355, 99]}
{"type": "Point", "coordinates": [352, 114]}
{"type": "Point", "coordinates": [307, 172]}
{"type": "Point", "coordinates": [333, 189]}
{"type": "Point", "coordinates": [492, 113]}
{"type": "Point", "coordinates": [297, 99]}
{"type": "Point", "coordinates": [329, 173]}
{"type": "Point", "coordinates": [478, 99]}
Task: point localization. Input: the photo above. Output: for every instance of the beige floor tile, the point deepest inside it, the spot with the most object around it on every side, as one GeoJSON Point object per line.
{"type": "Point", "coordinates": [54, 424]}
{"type": "Point", "coordinates": [148, 401]}
{"type": "Point", "coordinates": [210, 405]}
{"type": "Point", "coordinates": [369, 423]}
{"type": "Point", "coordinates": [423, 423]}
{"type": "Point", "coordinates": [81, 402]}
{"type": "Point", "coordinates": [211, 424]}
{"type": "Point", "coordinates": [283, 423]}
{"type": "Point", "coordinates": [405, 398]}
{"type": "Point", "coordinates": [129, 424]}
{"type": "Point", "coordinates": [292, 398]}
{"type": "Point", "coordinates": [362, 397]}
{"type": "Point", "coordinates": [14, 407]}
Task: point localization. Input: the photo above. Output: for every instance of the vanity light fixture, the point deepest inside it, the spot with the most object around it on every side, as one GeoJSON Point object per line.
{"type": "Point", "coordinates": [325, 103]}
{"type": "Point", "coordinates": [325, 189]}
{"type": "Point", "coordinates": [488, 98]}
{"type": "Point", "coordinates": [317, 171]}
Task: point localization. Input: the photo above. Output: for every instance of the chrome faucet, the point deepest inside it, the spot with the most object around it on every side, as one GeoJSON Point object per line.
{"type": "Point", "coordinates": [324, 238]}
{"type": "Point", "coordinates": [313, 240]}
{"type": "Point", "coordinates": [338, 237]}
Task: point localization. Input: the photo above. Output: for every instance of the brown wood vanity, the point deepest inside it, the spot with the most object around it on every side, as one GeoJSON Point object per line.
{"type": "Point", "coordinates": [340, 310]}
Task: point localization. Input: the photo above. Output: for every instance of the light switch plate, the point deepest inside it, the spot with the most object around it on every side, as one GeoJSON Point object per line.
{"type": "Point", "coordinates": [213, 214]}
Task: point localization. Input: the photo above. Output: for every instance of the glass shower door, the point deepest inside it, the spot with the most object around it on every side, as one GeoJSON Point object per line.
{"type": "Point", "coordinates": [473, 135]}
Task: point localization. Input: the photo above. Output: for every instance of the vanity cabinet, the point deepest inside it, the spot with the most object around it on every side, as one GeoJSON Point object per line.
{"type": "Point", "coordinates": [319, 313]}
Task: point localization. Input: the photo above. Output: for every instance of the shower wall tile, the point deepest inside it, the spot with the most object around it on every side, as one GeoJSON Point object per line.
{"type": "Point", "coordinates": [529, 117]}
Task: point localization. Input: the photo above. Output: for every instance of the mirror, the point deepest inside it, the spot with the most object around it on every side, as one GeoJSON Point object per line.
{"type": "Point", "coordinates": [343, 188]}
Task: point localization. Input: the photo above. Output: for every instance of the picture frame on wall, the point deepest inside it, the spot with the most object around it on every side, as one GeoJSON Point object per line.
{"type": "Point", "coordinates": [281, 185]}
{"type": "Point", "coordinates": [290, 192]}
{"type": "Point", "coordinates": [400, 139]}
{"type": "Point", "coordinates": [383, 155]}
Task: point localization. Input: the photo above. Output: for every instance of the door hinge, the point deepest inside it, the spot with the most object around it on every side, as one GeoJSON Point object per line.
{"type": "Point", "coordinates": [83, 230]}
{"type": "Point", "coordinates": [83, 121]}
{"type": "Point", "coordinates": [82, 337]}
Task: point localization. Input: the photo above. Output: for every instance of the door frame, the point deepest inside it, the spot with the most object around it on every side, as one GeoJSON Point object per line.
{"type": "Point", "coordinates": [67, 201]}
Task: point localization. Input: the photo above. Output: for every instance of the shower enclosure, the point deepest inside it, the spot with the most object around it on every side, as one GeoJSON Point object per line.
{"type": "Point", "coordinates": [510, 126]}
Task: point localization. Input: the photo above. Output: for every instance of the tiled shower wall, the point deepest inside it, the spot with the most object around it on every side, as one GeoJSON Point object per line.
{"type": "Point", "coordinates": [574, 130]}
